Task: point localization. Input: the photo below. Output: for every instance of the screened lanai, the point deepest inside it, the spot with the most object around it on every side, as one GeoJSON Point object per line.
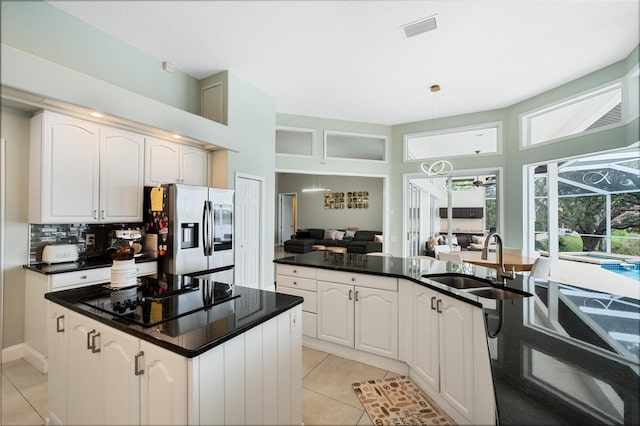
{"type": "Point", "coordinates": [598, 201]}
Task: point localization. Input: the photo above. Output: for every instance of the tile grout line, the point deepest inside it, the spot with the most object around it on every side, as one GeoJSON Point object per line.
{"type": "Point", "coordinates": [23, 397]}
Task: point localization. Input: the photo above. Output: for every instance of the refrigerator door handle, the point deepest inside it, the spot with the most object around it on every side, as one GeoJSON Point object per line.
{"type": "Point", "coordinates": [209, 241]}
{"type": "Point", "coordinates": [205, 228]}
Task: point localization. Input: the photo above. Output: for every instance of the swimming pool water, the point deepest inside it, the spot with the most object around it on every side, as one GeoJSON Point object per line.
{"type": "Point", "coordinates": [629, 271]}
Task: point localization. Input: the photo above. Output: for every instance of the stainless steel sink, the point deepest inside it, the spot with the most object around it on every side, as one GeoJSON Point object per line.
{"type": "Point", "coordinates": [496, 293]}
{"type": "Point", "coordinates": [459, 281]}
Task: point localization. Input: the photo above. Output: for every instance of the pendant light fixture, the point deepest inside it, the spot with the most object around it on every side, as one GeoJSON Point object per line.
{"type": "Point", "coordinates": [440, 167]}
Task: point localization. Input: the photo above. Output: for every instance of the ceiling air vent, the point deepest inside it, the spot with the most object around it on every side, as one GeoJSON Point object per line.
{"type": "Point", "coordinates": [420, 26]}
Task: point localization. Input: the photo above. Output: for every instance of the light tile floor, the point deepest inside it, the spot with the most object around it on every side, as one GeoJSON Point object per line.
{"type": "Point", "coordinates": [327, 396]}
{"type": "Point", "coordinates": [24, 394]}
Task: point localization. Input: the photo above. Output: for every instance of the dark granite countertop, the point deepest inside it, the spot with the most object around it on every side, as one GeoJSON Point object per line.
{"type": "Point", "coordinates": [566, 355]}
{"type": "Point", "coordinates": [193, 333]}
{"type": "Point", "coordinates": [61, 268]}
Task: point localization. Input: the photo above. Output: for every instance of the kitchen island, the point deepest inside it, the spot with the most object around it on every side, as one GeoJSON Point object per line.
{"type": "Point", "coordinates": [174, 350]}
{"type": "Point", "coordinates": [559, 355]}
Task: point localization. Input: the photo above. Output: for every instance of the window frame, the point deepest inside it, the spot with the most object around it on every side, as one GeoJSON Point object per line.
{"type": "Point", "coordinates": [524, 119]}
{"type": "Point", "coordinates": [498, 125]}
{"type": "Point", "coordinates": [385, 149]}
{"type": "Point", "coordinates": [298, 130]}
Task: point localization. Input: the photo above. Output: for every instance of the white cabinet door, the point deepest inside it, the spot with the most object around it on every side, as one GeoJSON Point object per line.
{"type": "Point", "coordinates": [121, 396]}
{"type": "Point", "coordinates": [376, 321]}
{"type": "Point", "coordinates": [336, 313]}
{"type": "Point", "coordinates": [161, 162]}
{"type": "Point", "coordinates": [57, 377]}
{"type": "Point", "coordinates": [163, 391]}
{"type": "Point", "coordinates": [84, 373]}
{"type": "Point", "coordinates": [194, 166]}
{"type": "Point", "coordinates": [426, 354]}
{"type": "Point", "coordinates": [168, 162]}
{"type": "Point", "coordinates": [121, 175]}
{"type": "Point", "coordinates": [456, 353]}
{"type": "Point", "coordinates": [442, 344]}
{"type": "Point", "coordinates": [64, 170]}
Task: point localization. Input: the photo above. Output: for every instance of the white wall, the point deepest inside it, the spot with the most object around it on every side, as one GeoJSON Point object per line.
{"type": "Point", "coordinates": [15, 129]}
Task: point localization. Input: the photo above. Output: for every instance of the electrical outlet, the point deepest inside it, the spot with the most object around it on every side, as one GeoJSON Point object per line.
{"type": "Point", "coordinates": [90, 240]}
{"type": "Point", "coordinates": [294, 321]}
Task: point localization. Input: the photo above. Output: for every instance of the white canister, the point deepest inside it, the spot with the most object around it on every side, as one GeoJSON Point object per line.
{"type": "Point", "coordinates": [123, 273]}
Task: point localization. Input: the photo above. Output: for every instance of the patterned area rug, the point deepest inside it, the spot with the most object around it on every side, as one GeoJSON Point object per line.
{"type": "Point", "coordinates": [398, 401]}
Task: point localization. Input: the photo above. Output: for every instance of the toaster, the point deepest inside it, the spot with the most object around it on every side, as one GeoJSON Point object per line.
{"type": "Point", "coordinates": [59, 253]}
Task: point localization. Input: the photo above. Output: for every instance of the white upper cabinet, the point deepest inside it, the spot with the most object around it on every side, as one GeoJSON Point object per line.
{"type": "Point", "coordinates": [168, 162]}
{"type": "Point", "coordinates": [81, 172]}
{"type": "Point", "coordinates": [64, 170]}
{"type": "Point", "coordinates": [121, 175]}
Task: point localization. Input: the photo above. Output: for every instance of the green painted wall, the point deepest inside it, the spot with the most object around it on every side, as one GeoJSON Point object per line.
{"type": "Point", "coordinates": [51, 34]}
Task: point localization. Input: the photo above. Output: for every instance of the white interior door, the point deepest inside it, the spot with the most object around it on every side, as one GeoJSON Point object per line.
{"type": "Point", "coordinates": [248, 226]}
{"type": "Point", "coordinates": [286, 217]}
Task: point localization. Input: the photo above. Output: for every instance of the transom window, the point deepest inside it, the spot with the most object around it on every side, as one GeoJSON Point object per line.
{"type": "Point", "coordinates": [462, 141]}
{"type": "Point", "coordinates": [354, 146]}
{"type": "Point", "coordinates": [294, 141]}
{"type": "Point", "coordinates": [584, 113]}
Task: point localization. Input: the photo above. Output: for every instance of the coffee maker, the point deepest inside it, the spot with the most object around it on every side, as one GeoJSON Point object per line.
{"type": "Point", "coordinates": [124, 238]}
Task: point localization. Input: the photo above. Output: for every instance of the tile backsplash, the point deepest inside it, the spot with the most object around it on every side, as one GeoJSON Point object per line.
{"type": "Point", "coordinates": [43, 234]}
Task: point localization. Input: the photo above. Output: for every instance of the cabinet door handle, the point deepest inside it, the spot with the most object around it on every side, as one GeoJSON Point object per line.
{"type": "Point", "coordinates": [95, 214]}
{"type": "Point", "coordinates": [356, 295]}
{"type": "Point", "coordinates": [350, 291]}
{"type": "Point", "coordinates": [439, 304]}
{"type": "Point", "coordinates": [433, 299]}
{"type": "Point", "coordinates": [89, 344]}
{"type": "Point", "coordinates": [94, 348]}
{"type": "Point", "coordinates": [102, 213]}
{"type": "Point", "coordinates": [138, 371]}
{"type": "Point", "coordinates": [60, 328]}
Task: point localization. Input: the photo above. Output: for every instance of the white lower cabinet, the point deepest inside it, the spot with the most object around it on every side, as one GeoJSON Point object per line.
{"type": "Point", "coordinates": [163, 386]}
{"type": "Point", "coordinates": [359, 317]}
{"type": "Point", "coordinates": [100, 375]}
{"type": "Point", "coordinates": [38, 312]}
{"type": "Point", "coordinates": [301, 281]}
{"type": "Point", "coordinates": [438, 340]}
{"type": "Point", "coordinates": [102, 384]}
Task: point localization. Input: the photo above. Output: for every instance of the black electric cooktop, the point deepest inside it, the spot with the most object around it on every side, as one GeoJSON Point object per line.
{"type": "Point", "coordinates": [159, 299]}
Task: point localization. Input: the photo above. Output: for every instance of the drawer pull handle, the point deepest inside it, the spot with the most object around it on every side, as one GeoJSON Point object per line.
{"type": "Point", "coordinates": [295, 283]}
{"type": "Point", "coordinates": [89, 346]}
{"type": "Point", "coordinates": [353, 279]}
{"type": "Point", "coordinates": [59, 327]}
{"type": "Point", "coordinates": [295, 271]}
{"type": "Point", "coordinates": [137, 370]}
{"type": "Point", "coordinates": [83, 277]}
{"type": "Point", "coordinates": [433, 299]}
{"type": "Point", "coordinates": [94, 348]}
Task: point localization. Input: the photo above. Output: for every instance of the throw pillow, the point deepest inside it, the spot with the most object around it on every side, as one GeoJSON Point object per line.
{"type": "Point", "coordinates": [378, 239]}
{"type": "Point", "coordinates": [339, 235]}
{"type": "Point", "coordinates": [477, 239]}
{"type": "Point", "coordinates": [330, 234]}
{"type": "Point", "coordinates": [349, 233]}
{"type": "Point", "coordinates": [353, 228]}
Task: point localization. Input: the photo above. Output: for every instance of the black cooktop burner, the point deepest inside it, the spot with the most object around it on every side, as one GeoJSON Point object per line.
{"type": "Point", "coordinates": [157, 300]}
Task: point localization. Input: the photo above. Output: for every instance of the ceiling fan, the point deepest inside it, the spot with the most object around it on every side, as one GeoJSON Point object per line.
{"type": "Point", "coordinates": [488, 181]}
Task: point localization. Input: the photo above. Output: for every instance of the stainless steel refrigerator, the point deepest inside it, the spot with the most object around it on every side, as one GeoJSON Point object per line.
{"type": "Point", "coordinates": [196, 225]}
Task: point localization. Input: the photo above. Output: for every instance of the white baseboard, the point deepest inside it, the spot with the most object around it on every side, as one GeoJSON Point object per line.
{"type": "Point", "coordinates": [12, 353]}
{"type": "Point", "coordinates": [33, 357]}
{"type": "Point", "coordinates": [388, 364]}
